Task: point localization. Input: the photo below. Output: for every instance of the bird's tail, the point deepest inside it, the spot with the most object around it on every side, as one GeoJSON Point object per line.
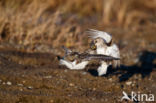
{"type": "Point", "coordinates": [116, 63]}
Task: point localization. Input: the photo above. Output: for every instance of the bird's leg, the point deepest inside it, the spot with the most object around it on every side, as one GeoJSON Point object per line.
{"type": "Point", "coordinates": [102, 69]}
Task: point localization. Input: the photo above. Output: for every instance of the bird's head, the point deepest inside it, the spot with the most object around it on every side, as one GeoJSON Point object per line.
{"type": "Point", "coordinates": [97, 43]}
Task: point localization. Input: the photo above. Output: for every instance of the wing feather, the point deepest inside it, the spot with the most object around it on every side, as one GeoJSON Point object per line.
{"type": "Point", "coordinates": [114, 52]}
{"type": "Point", "coordinates": [100, 57]}
{"type": "Point", "coordinates": [92, 33]}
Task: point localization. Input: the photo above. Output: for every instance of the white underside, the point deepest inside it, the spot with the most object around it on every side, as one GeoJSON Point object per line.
{"type": "Point", "coordinates": [101, 50]}
{"type": "Point", "coordinates": [102, 70]}
{"type": "Point", "coordinates": [73, 65]}
{"type": "Point", "coordinates": [111, 51]}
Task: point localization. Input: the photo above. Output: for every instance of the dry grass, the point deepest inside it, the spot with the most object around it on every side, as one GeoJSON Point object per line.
{"type": "Point", "coordinates": [54, 22]}
{"type": "Point", "coordinates": [124, 12]}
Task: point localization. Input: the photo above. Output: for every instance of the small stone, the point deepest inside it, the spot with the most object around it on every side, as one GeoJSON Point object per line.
{"type": "Point", "coordinates": [48, 77]}
{"type": "Point", "coordinates": [84, 73]}
{"type": "Point", "coordinates": [3, 83]}
{"type": "Point", "coordinates": [20, 85]}
{"type": "Point", "coordinates": [69, 95]}
{"type": "Point", "coordinates": [51, 101]}
{"type": "Point", "coordinates": [106, 99]}
{"type": "Point", "coordinates": [24, 81]}
{"type": "Point", "coordinates": [133, 85]}
{"type": "Point", "coordinates": [9, 83]}
{"type": "Point", "coordinates": [21, 89]}
{"type": "Point", "coordinates": [136, 60]}
{"type": "Point", "coordinates": [71, 84]}
{"type": "Point", "coordinates": [0, 80]}
{"type": "Point", "coordinates": [93, 99]}
{"type": "Point", "coordinates": [65, 70]}
{"type": "Point", "coordinates": [128, 83]}
{"type": "Point", "coordinates": [94, 89]}
{"type": "Point", "coordinates": [30, 87]}
{"type": "Point", "coordinates": [110, 79]}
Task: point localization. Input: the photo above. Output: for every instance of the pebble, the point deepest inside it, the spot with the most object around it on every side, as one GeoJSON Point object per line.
{"type": "Point", "coordinates": [20, 85]}
{"type": "Point", "coordinates": [69, 95]}
{"type": "Point", "coordinates": [65, 70]}
{"type": "Point", "coordinates": [106, 99]}
{"type": "Point", "coordinates": [84, 73]}
{"type": "Point", "coordinates": [30, 87]}
{"type": "Point", "coordinates": [136, 60]}
{"type": "Point", "coordinates": [48, 77]}
{"type": "Point", "coordinates": [93, 99]}
{"type": "Point", "coordinates": [128, 83]}
{"type": "Point", "coordinates": [9, 83]}
{"type": "Point", "coordinates": [51, 101]}
{"type": "Point", "coordinates": [71, 84]}
{"type": "Point", "coordinates": [21, 89]}
{"type": "Point", "coordinates": [133, 84]}
{"type": "Point", "coordinates": [94, 89]}
{"type": "Point", "coordinates": [0, 80]}
{"type": "Point", "coordinates": [23, 81]}
{"type": "Point", "coordinates": [110, 79]}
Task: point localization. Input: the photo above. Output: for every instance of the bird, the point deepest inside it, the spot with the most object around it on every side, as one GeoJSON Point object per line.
{"type": "Point", "coordinates": [99, 34]}
{"type": "Point", "coordinates": [80, 60]}
{"type": "Point", "coordinates": [74, 65]}
{"type": "Point", "coordinates": [104, 49]}
{"type": "Point", "coordinates": [102, 43]}
{"type": "Point", "coordinates": [71, 60]}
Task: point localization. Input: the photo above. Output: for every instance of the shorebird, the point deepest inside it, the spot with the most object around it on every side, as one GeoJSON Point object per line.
{"type": "Point", "coordinates": [102, 43]}
{"type": "Point", "coordinates": [71, 60]}
{"type": "Point", "coordinates": [78, 61]}
{"type": "Point", "coordinates": [105, 51]}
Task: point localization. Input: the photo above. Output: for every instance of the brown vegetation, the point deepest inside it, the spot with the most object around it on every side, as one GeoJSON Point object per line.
{"type": "Point", "coordinates": [51, 22]}
{"type": "Point", "coordinates": [45, 25]}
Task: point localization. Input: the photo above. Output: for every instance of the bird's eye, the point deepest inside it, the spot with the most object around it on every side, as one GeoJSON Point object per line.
{"type": "Point", "coordinates": [95, 41]}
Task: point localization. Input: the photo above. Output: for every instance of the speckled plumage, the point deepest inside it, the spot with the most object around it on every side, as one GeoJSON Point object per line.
{"type": "Point", "coordinates": [105, 51]}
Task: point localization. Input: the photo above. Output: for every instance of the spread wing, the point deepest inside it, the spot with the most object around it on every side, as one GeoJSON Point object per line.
{"type": "Point", "coordinates": [99, 57]}
{"type": "Point", "coordinates": [87, 56]}
{"type": "Point", "coordinates": [114, 52]}
{"type": "Point", "coordinates": [99, 34]}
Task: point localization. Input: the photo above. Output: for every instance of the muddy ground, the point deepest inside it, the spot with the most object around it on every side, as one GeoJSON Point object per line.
{"type": "Point", "coordinates": [33, 31]}
{"type": "Point", "coordinates": [35, 77]}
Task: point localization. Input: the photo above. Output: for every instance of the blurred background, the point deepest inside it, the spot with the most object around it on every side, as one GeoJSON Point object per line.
{"type": "Point", "coordinates": [33, 31]}
{"type": "Point", "coordinates": [40, 25]}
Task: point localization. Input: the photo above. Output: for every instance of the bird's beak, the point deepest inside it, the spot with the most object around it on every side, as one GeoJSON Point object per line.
{"type": "Point", "coordinates": [92, 46]}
